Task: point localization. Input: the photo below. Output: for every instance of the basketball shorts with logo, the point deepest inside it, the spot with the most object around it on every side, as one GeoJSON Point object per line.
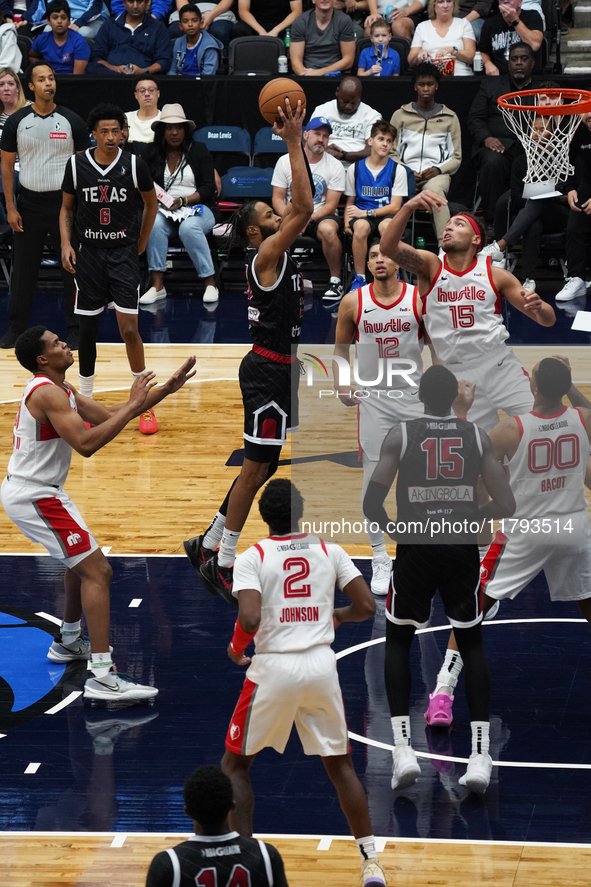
{"type": "Point", "coordinates": [105, 275]}
{"type": "Point", "coordinates": [377, 415]}
{"type": "Point", "coordinates": [47, 515]}
{"type": "Point", "coordinates": [270, 398]}
{"type": "Point", "coordinates": [501, 384]}
{"type": "Point", "coordinates": [418, 571]}
{"type": "Point", "coordinates": [513, 561]}
{"type": "Point", "coordinates": [281, 689]}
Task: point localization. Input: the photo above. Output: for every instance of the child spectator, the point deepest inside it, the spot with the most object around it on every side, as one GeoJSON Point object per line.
{"type": "Point", "coordinates": [379, 60]}
{"type": "Point", "coordinates": [196, 52]}
{"type": "Point", "coordinates": [62, 48]}
{"type": "Point", "coordinates": [374, 187]}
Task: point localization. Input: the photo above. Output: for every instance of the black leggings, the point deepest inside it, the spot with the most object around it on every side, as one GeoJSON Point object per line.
{"type": "Point", "coordinates": [399, 678]}
{"type": "Point", "coordinates": [89, 328]}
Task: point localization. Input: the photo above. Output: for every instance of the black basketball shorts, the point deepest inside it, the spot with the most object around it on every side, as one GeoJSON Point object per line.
{"type": "Point", "coordinates": [105, 275]}
{"type": "Point", "coordinates": [270, 398]}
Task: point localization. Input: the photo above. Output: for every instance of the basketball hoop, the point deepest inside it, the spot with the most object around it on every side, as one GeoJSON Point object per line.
{"type": "Point", "coordinates": [544, 121]}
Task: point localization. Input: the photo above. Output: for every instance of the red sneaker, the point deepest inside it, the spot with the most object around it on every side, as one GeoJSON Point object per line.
{"type": "Point", "coordinates": [148, 422]}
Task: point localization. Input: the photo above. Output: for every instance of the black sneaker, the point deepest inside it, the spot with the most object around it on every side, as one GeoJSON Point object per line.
{"type": "Point", "coordinates": [9, 338]}
{"type": "Point", "coordinates": [218, 580]}
{"type": "Point", "coordinates": [334, 293]}
{"type": "Point", "coordinates": [196, 551]}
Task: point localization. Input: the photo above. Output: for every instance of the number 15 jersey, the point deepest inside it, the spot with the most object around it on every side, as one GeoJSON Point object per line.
{"type": "Point", "coordinates": [296, 577]}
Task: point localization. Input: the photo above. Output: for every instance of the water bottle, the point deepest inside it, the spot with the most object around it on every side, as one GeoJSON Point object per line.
{"type": "Point", "coordinates": [287, 40]}
{"type": "Point", "coordinates": [128, 68]}
{"type": "Point", "coordinates": [282, 64]}
{"type": "Point", "coordinates": [477, 63]}
{"type": "Point", "coordinates": [420, 243]}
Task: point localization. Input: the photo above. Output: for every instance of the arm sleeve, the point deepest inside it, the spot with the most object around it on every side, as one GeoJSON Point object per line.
{"type": "Point", "coordinates": [68, 182]}
{"type": "Point", "coordinates": [395, 61]}
{"type": "Point", "coordinates": [81, 48]}
{"type": "Point", "coordinates": [246, 571]}
{"type": "Point", "coordinates": [79, 132]}
{"type": "Point", "coordinates": [350, 182]}
{"type": "Point", "coordinates": [400, 185]}
{"type": "Point", "coordinates": [101, 45]}
{"type": "Point", "coordinates": [345, 28]}
{"type": "Point", "coordinates": [371, 119]}
{"type": "Point", "coordinates": [337, 176]}
{"type": "Point", "coordinates": [364, 60]}
{"type": "Point", "coordinates": [144, 179]}
{"type": "Point", "coordinates": [298, 29]}
{"type": "Point", "coordinates": [160, 873]}
{"type": "Point", "coordinates": [449, 167]}
{"type": "Point", "coordinates": [210, 61]}
{"type": "Point", "coordinates": [280, 174]}
{"type": "Point", "coordinates": [160, 8]}
{"type": "Point", "coordinates": [485, 42]}
{"type": "Point", "coordinates": [279, 879]}
{"type": "Point", "coordinates": [344, 567]}
{"type": "Point", "coordinates": [8, 141]}
{"type": "Point", "coordinates": [482, 7]}
{"type": "Point", "coordinates": [93, 11]}
{"type": "Point", "coordinates": [532, 20]}
{"type": "Point", "coordinates": [417, 39]}
{"type": "Point", "coordinates": [467, 31]}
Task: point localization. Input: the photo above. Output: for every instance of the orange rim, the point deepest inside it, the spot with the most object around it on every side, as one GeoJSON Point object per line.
{"type": "Point", "coordinates": [581, 103]}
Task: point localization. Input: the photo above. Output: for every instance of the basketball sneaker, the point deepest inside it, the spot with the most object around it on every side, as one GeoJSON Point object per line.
{"type": "Point", "coordinates": [357, 282]}
{"type": "Point", "coordinates": [494, 251]}
{"type": "Point", "coordinates": [372, 874]}
{"type": "Point", "coordinates": [439, 711]}
{"type": "Point", "coordinates": [406, 769]}
{"type": "Point", "coordinates": [529, 284]}
{"type": "Point", "coordinates": [115, 687]}
{"type": "Point", "coordinates": [148, 423]}
{"type": "Point", "coordinates": [572, 289]}
{"type": "Point", "coordinates": [196, 551]}
{"type": "Point", "coordinates": [477, 775]}
{"type": "Point", "coordinates": [335, 291]}
{"type": "Point", "coordinates": [218, 580]}
{"type": "Point", "coordinates": [380, 575]}
{"type": "Point", "coordinates": [59, 652]}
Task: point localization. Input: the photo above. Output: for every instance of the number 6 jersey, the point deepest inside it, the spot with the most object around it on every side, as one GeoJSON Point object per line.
{"type": "Point", "coordinates": [296, 577]}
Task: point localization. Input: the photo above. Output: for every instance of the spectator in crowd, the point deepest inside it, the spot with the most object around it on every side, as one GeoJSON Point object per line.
{"type": "Point", "coordinates": [374, 187]}
{"type": "Point", "coordinates": [429, 139]}
{"type": "Point", "coordinates": [159, 9]}
{"type": "Point", "coordinates": [351, 121]}
{"type": "Point", "coordinates": [12, 97]}
{"type": "Point", "coordinates": [196, 52]}
{"type": "Point", "coordinates": [500, 32]}
{"type": "Point", "coordinates": [494, 146]}
{"type": "Point", "coordinates": [140, 122]}
{"type": "Point", "coordinates": [10, 54]}
{"type": "Point", "coordinates": [578, 188]}
{"type": "Point", "coordinates": [358, 11]}
{"type": "Point", "coordinates": [184, 169]}
{"type": "Point", "coordinates": [42, 160]}
{"type": "Point", "coordinates": [322, 41]}
{"type": "Point", "coordinates": [404, 18]}
{"type": "Point", "coordinates": [329, 183]}
{"type": "Point", "coordinates": [133, 43]}
{"type": "Point", "coordinates": [444, 36]}
{"type": "Point", "coordinates": [267, 18]}
{"type": "Point", "coordinates": [476, 12]}
{"type": "Point", "coordinates": [218, 19]}
{"type": "Point", "coordinates": [379, 60]}
{"type": "Point", "coordinates": [64, 49]}
{"type": "Point", "coordinates": [86, 17]}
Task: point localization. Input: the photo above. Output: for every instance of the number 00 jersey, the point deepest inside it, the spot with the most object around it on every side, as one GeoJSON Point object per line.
{"type": "Point", "coordinates": [108, 209]}
{"type": "Point", "coordinates": [462, 312]}
{"type": "Point", "coordinates": [437, 476]}
{"type": "Point", "coordinates": [275, 312]}
{"type": "Point", "coordinates": [296, 576]}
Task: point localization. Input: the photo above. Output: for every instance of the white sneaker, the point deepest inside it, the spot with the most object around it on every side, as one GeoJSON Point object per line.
{"type": "Point", "coordinates": [406, 768]}
{"type": "Point", "coordinates": [572, 289]}
{"type": "Point", "coordinates": [477, 775]}
{"type": "Point", "coordinates": [117, 688]}
{"type": "Point", "coordinates": [211, 294]}
{"type": "Point", "coordinates": [529, 284]}
{"type": "Point", "coordinates": [372, 874]}
{"type": "Point", "coordinates": [152, 295]}
{"type": "Point", "coordinates": [494, 251]}
{"type": "Point", "coordinates": [380, 576]}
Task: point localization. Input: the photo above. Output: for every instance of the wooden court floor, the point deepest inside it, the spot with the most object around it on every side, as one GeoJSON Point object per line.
{"type": "Point", "coordinates": [145, 495]}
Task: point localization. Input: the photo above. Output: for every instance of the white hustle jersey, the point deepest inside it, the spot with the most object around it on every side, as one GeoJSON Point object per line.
{"type": "Point", "coordinates": [39, 453]}
{"type": "Point", "coordinates": [547, 471]}
{"type": "Point", "coordinates": [296, 577]}
{"type": "Point", "coordinates": [462, 312]}
{"type": "Point", "coordinates": [388, 335]}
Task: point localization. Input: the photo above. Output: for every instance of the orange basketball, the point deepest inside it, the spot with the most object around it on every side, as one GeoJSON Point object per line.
{"type": "Point", "coordinates": [274, 93]}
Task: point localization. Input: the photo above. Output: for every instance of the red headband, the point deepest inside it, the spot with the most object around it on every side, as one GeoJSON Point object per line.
{"type": "Point", "coordinates": [472, 222]}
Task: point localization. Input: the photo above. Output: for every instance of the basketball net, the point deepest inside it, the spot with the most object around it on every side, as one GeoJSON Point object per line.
{"type": "Point", "coordinates": [545, 121]}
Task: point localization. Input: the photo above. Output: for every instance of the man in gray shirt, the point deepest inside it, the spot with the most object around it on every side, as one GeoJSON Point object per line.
{"type": "Point", "coordinates": [44, 135]}
{"type": "Point", "coordinates": [322, 41]}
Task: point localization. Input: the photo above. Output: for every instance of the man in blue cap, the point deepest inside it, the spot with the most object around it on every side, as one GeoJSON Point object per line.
{"type": "Point", "coordinates": [329, 183]}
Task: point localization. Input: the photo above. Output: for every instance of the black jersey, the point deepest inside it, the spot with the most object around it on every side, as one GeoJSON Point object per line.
{"type": "Point", "coordinates": [108, 204]}
{"type": "Point", "coordinates": [275, 312]}
{"type": "Point", "coordinates": [230, 860]}
{"type": "Point", "coordinates": [437, 476]}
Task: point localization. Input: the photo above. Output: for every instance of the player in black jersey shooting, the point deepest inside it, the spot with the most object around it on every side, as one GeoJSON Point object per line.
{"type": "Point", "coordinates": [438, 459]}
{"type": "Point", "coordinates": [269, 373]}
{"type": "Point", "coordinates": [104, 192]}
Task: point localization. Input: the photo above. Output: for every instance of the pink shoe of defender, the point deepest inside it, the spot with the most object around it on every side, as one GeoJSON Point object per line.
{"type": "Point", "coordinates": [439, 713]}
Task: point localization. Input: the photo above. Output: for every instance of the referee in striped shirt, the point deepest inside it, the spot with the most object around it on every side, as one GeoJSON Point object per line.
{"type": "Point", "coordinates": [44, 135]}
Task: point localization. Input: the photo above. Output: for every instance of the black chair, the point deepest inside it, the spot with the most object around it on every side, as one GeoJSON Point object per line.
{"type": "Point", "coordinates": [24, 44]}
{"type": "Point", "coordinates": [256, 55]}
{"type": "Point", "coordinates": [400, 44]}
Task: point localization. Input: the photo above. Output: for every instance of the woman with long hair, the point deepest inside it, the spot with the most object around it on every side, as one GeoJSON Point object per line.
{"type": "Point", "coordinates": [184, 169]}
{"type": "Point", "coordinates": [444, 36]}
{"type": "Point", "coordinates": [12, 97]}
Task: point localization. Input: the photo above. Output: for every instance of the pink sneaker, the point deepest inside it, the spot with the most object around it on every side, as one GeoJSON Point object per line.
{"type": "Point", "coordinates": [439, 712]}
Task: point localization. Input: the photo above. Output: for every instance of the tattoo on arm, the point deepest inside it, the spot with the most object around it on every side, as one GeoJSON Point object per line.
{"type": "Point", "coordinates": [577, 398]}
{"type": "Point", "coordinates": [68, 221]}
{"type": "Point", "coordinates": [410, 260]}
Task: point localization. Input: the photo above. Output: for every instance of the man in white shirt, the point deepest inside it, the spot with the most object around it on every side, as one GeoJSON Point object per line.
{"type": "Point", "coordinates": [329, 183]}
{"type": "Point", "coordinates": [140, 122]}
{"type": "Point", "coordinates": [351, 121]}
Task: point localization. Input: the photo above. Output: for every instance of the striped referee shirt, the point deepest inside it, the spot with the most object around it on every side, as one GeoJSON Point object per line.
{"type": "Point", "coordinates": [44, 145]}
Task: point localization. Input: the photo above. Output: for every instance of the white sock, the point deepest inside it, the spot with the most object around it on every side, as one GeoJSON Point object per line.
{"type": "Point", "coordinates": [367, 847]}
{"type": "Point", "coordinates": [378, 545]}
{"type": "Point", "coordinates": [482, 549]}
{"type": "Point", "coordinates": [100, 664]}
{"type": "Point", "coordinates": [401, 729]}
{"type": "Point", "coordinates": [480, 737]}
{"type": "Point", "coordinates": [228, 546]}
{"type": "Point", "coordinates": [215, 531]}
{"type": "Point", "coordinates": [449, 673]}
{"type": "Point", "coordinates": [86, 385]}
{"type": "Point", "coordinates": [335, 279]}
{"type": "Point", "coordinates": [70, 632]}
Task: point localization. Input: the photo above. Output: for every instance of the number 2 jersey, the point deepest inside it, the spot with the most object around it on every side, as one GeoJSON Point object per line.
{"type": "Point", "coordinates": [108, 211]}
{"type": "Point", "coordinates": [296, 577]}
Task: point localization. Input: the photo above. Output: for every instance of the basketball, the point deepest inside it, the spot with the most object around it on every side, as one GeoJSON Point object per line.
{"type": "Point", "coordinates": [274, 93]}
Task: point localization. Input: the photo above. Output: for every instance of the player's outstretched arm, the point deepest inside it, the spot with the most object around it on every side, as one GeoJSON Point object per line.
{"type": "Point", "coordinates": [423, 263]}
{"type": "Point", "coordinates": [525, 301]}
{"type": "Point", "coordinates": [66, 228]}
{"type": "Point", "coordinates": [495, 480]}
{"type": "Point", "coordinates": [345, 332]}
{"type": "Point", "coordinates": [382, 480]}
{"type": "Point", "coordinates": [362, 605]}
